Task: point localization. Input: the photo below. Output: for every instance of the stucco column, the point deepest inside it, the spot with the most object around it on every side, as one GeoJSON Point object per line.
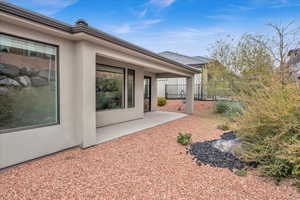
{"type": "Point", "coordinates": [153, 93]}
{"type": "Point", "coordinates": [86, 94]}
{"type": "Point", "coordinates": [190, 95]}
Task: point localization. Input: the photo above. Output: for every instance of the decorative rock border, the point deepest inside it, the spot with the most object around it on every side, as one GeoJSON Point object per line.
{"type": "Point", "coordinates": [207, 153]}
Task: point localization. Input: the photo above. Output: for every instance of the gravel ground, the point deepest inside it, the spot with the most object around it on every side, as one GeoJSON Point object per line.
{"type": "Point", "coordinates": [147, 165]}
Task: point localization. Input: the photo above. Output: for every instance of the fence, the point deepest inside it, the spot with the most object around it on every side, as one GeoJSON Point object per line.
{"type": "Point", "coordinates": [203, 92]}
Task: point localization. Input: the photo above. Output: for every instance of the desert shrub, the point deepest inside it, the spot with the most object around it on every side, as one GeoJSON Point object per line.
{"type": "Point", "coordinates": [161, 101]}
{"type": "Point", "coordinates": [229, 109]}
{"type": "Point", "coordinates": [241, 172]}
{"type": "Point", "coordinates": [221, 107]}
{"type": "Point", "coordinates": [224, 127]}
{"type": "Point", "coordinates": [270, 130]}
{"type": "Point", "coordinates": [235, 109]}
{"type": "Point", "coordinates": [184, 139]}
{"type": "Point", "coordinates": [276, 168]}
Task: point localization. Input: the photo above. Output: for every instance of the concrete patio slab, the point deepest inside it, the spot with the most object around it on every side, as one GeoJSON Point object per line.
{"type": "Point", "coordinates": [150, 119]}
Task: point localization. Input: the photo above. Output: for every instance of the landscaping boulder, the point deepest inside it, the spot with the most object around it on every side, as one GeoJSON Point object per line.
{"type": "Point", "coordinates": [229, 146]}
{"type": "Point", "coordinates": [9, 70]}
{"type": "Point", "coordinates": [38, 82]}
{"type": "Point", "coordinates": [9, 82]}
{"type": "Point", "coordinates": [24, 80]}
{"type": "Point", "coordinates": [46, 74]}
{"type": "Point", "coordinates": [28, 71]}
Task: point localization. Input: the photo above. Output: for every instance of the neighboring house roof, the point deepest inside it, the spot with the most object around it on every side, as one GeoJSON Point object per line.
{"type": "Point", "coordinates": [186, 60]}
{"type": "Point", "coordinates": [202, 59]}
{"type": "Point", "coordinates": [82, 27]}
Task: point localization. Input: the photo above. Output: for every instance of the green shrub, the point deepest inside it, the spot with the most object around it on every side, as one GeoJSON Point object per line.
{"type": "Point", "coordinates": [229, 109]}
{"type": "Point", "coordinates": [235, 109]}
{"type": "Point", "coordinates": [241, 172]}
{"type": "Point", "coordinates": [276, 168]}
{"type": "Point", "coordinates": [184, 139]}
{"type": "Point", "coordinates": [224, 127]}
{"type": "Point", "coordinates": [221, 107]}
{"type": "Point", "coordinates": [270, 130]}
{"type": "Point", "coordinates": [161, 101]}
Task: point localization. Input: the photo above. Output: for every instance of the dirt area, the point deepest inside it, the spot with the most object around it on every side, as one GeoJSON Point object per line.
{"type": "Point", "coordinates": [149, 164]}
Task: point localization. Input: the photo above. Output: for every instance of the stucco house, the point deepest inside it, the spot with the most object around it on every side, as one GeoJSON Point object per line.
{"type": "Point", "coordinates": [198, 62]}
{"type": "Point", "coordinates": [60, 83]}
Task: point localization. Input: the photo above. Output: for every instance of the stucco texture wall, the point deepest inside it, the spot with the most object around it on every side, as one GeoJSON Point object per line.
{"type": "Point", "coordinates": [16, 147]}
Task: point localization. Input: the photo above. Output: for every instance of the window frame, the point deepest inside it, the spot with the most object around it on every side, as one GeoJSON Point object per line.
{"type": "Point", "coordinates": [58, 122]}
{"type": "Point", "coordinates": [123, 90]}
{"type": "Point", "coordinates": [133, 89]}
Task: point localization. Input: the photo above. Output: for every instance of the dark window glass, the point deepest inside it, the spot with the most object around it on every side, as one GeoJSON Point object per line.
{"type": "Point", "coordinates": [28, 84]}
{"type": "Point", "coordinates": [109, 87]}
{"type": "Point", "coordinates": [130, 88]}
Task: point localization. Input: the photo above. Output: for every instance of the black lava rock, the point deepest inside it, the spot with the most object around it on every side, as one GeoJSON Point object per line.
{"type": "Point", "coordinates": [205, 153]}
{"type": "Point", "coordinates": [228, 136]}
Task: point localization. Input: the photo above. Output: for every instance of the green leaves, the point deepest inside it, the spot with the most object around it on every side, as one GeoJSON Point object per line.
{"type": "Point", "coordinates": [184, 139]}
{"type": "Point", "coordinates": [270, 130]}
{"type": "Point", "coordinates": [161, 101]}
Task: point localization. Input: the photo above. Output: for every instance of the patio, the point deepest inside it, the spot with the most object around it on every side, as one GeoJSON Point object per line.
{"type": "Point", "coordinates": [150, 119]}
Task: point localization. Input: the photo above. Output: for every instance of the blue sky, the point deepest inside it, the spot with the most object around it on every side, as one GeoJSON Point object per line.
{"type": "Point", "coordinates": [183, 26]}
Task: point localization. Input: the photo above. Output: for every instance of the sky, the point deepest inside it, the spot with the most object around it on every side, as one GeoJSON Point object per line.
{"type": "Point", "coordinates": [188, 27]}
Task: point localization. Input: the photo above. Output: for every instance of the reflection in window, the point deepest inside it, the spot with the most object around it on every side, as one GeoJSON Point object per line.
{"type": "Point", "coordinates": [109, 87]}
{"type": "Point", "coordinates": [130, 88]}
{"type": "Point", "coordinates": [28, 83]}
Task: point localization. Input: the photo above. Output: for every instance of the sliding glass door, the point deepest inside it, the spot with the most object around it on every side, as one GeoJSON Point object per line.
{"type": "Point", "coordinates": [147, 94]}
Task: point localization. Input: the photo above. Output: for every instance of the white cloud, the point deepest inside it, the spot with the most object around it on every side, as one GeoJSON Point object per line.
{"type": "Point", "coordinates": [129, 28]}
{"type": "Point", "coordinates": [143, 12]}
{"type": "Point", "coordinates": [151, 21]}
{"type": "Point", "coordinates": [275, 3]}
{"type": "Point", "coordinates": [222, 17]}
{"type": "Point", "coordinates": [123, 29]}
{"type": "Point", "coordinates": [152, 6]}
{"type": "Point", "coordinates": [189, 41]}
{"type": "Point", "coordinates": [48, 7]}
{"type": "Point", "coordinates": [162, 3]}
{"type": "Point", "coordinates": [192, 41]}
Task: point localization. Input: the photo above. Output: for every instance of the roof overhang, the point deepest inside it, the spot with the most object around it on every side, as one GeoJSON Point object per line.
{"type": "Point", "coordinates": [23, 17]}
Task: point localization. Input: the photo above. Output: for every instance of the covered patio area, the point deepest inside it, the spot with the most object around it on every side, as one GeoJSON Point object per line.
{"type": "Point", "coordinates": [151, 119]}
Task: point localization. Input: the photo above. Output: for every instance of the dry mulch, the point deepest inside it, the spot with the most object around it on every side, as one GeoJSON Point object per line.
{"type": "Point", "coordinates": [145, 165]}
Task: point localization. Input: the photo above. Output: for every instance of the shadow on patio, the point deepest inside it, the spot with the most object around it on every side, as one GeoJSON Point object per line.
{"type": "Point", "coordinates": [150, 119]}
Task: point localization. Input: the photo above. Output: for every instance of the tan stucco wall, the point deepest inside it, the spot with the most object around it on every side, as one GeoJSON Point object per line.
{"type": "Point", "coordinates": [24, 145]}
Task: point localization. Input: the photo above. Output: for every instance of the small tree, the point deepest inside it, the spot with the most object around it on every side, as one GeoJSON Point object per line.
{"type": "Point", "coordinates": [243, 62]}
{"type": "Point", "coordinates": [285, 38]}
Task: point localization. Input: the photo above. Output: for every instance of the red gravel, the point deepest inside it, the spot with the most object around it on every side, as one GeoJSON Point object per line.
{"type": "Point", "coordinates": [145, 165]}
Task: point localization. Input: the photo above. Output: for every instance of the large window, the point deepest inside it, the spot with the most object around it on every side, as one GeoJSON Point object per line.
{"type": "Point", "coordinates": [109, 87]}
{"type": "Point", "coordinates": [130, 88]}
{"type": "Point", "coordinates": [28, 84]}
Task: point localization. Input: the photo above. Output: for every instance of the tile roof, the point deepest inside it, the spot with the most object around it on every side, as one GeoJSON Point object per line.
{"type": "Point", "coordinates": [186, 60]}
